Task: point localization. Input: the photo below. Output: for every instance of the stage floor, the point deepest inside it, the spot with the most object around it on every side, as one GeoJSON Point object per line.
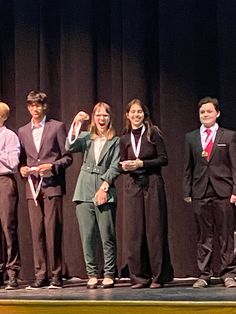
{"type": "Point", "coordinates": [175, 298]}
{"type": "Point", "coordinates": [75, 289]}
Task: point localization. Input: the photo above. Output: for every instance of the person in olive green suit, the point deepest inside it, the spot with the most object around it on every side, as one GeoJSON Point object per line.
{"type": "Point", "coordinates": [95, 193]}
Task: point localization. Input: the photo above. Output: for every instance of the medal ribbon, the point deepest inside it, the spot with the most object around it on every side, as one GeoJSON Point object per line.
{"type": "Point", "coordinates": [136, 149]}
{"type": "Point", "coordinates": [208, 143]}
{"type": "Point", "coordinates": [34, 192]}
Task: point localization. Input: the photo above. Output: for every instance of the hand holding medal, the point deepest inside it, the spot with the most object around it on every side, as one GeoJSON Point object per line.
{"type": "Point", "coordinates": [78, 120]}
{"type": "Point", "coordinates": [81, 117]}
{"type": "Point", "coordinates": [131, 165]}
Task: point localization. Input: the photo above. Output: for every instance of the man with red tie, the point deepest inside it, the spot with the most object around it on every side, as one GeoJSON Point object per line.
{"type": "Point", "coordinates": [209, 183]}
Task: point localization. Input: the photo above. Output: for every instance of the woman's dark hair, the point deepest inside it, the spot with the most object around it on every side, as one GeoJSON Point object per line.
{"type": "Point", "coordinates": [147, 120]}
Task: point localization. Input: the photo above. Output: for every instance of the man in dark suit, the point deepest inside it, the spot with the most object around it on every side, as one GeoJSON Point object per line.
{"type": "Point", "coordinates": [43, 160]}
{"type": "Point", "coordinates": [209, 182]}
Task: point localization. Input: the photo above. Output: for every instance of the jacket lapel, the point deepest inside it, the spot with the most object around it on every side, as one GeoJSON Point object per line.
{"type": "Point", "coordinates": [198, 140]}
{"type": "Point", "coordinates": [199, 146]}
{"type": "Point", "coordinates": [30, 140]}
{"type": "Point", "coordinates": [105, 148]}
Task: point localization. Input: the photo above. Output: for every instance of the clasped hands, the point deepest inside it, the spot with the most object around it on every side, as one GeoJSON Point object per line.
{"type": "Point", "coordinates": [131, 165]}
{"type": "Point", "coordinates": [41, 170]}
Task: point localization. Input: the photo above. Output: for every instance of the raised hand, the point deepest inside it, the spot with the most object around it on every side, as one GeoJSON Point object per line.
{"type": "Point", "coordinates": [80, 117]}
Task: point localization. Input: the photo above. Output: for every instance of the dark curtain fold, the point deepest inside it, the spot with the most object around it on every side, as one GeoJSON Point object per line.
{"type": "Point", "coordinates": [167, 53]}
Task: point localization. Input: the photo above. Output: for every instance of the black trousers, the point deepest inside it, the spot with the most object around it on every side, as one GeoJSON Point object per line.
{"type": "Point", "coordinates": [214, 218]}
{"type": "Point", "coordinates": [147, 231]}
{"type": "Point", "coordinates": [46, 229]}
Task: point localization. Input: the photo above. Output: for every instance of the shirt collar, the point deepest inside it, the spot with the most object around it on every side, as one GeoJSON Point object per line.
{"type": "Point", "coordinates": [213, 128]}
{"type": "Point", "coordinates": [41, 124]}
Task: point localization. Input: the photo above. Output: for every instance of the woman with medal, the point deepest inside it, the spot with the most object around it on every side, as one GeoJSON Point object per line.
{"type": "Point", "coordinates": [209, 183]}
{"type": "Point", "coordinates": [143, 155]}
{"type": "Point", "coordinates": [95, 193]}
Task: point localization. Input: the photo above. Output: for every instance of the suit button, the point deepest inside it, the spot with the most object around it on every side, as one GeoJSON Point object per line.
{"type": "Point", "coordinates": [38, 160]}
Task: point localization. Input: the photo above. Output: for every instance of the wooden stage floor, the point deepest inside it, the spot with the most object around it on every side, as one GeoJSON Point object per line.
{"type": "Point", "coordinates": [74, 297]}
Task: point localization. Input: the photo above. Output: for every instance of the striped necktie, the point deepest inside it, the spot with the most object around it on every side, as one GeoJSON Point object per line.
{"type": "Point", "coordinates": [209, 146]}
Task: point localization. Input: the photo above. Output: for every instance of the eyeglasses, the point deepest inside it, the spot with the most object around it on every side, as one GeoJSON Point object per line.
{"type": "Point", "coordinates": [105, 116]}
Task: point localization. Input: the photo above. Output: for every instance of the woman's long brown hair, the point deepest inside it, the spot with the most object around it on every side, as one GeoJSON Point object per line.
{"type": "Point", "coordinates": [93, 129]}
{"type": "Point", "coordinates": [147, 120]}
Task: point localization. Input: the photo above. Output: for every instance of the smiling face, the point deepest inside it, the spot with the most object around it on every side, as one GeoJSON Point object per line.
{"type": "Point", "coordinates": [208, 114]}
{"type": "Point", "coordinates": [101, 120]}
{"type": "Point", "coordinates": [135, 115]}
{"type": "Point", "coordinates": [37, 111]}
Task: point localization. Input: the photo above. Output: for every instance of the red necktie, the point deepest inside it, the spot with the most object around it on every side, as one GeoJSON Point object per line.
{"type": "Point", "coordinates": [209, 146]}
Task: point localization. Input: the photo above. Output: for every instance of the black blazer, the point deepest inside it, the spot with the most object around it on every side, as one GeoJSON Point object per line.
{"type": "Point", "coordinates": [220, 170]}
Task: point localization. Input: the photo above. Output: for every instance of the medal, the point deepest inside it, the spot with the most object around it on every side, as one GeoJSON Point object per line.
{"type": "Point", "coordinates": [204, 154]}
{"type": "Point", "coordinates": [136, 150]}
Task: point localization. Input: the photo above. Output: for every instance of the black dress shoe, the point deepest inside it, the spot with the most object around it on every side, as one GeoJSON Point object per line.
{"type": "Point", "coordinates": [38, 284]}
{"type": "Point", "coordinates": [140, 286]}
{"type": "Point", "coordinates": [1, 280]}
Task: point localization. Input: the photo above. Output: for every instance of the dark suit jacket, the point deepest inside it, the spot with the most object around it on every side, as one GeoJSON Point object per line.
{"type": "Point", "coordinates": [52, 150]}
{"type": "Point", "coordinates": [220, 170]}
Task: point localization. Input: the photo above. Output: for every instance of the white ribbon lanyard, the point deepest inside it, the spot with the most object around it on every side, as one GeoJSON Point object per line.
{"type": "Point", "coordinates": [136, 149]}
{"type": "Point", "coordinates": [77, 130]}
{"type": "Point", "coordinates": [35, 192]}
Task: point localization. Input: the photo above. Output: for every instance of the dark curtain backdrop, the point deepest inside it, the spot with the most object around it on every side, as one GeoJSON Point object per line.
{"type": "Point", "coordinates": [169, 53]}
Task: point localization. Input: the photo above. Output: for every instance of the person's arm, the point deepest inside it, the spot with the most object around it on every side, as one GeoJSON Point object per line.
{"type": "Point", "coordinates": [65, 159]}
{"type": "Point", "coordinates": [76, 140]}
{"type": "Point", "coordinates": [23, 168]}
{"type": "Point", "coordinates": [232, 154]}
{"type": "Point", "coordinates": [9, 155]}
{"type": "Point", "coordinates": [188, 172]}
{"type": "Point", "coordinates": [161, 158]}
{"type": "Point", "coordinates": [123, 153]}
{"type": "Point", "coordinates": [109, 176]}
{"type": "Point", "coordinates": [113, 170]}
